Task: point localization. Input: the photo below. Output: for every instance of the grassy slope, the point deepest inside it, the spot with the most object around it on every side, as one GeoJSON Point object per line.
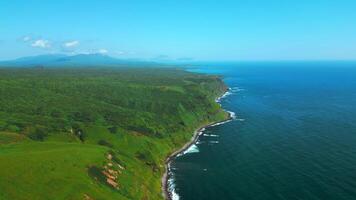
{"type": "Point", "coordinates": [50, 171]}
{"type": "Point", "coordinates": [46, 105]}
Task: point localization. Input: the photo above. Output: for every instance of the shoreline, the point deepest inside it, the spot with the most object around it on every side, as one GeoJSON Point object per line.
{"type": "Point", "coordinates": [167, 195]}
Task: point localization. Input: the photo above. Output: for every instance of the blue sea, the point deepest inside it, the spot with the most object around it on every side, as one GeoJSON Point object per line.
{"type": "Point", "coordinates": [294, 136]}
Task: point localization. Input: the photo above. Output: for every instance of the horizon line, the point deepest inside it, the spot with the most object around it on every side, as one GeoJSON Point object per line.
{"type": "Point", "coordinates": [177, 60]}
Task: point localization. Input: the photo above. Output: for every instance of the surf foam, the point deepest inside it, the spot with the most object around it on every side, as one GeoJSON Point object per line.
{"type": "Point", "coordinates": [232, 114]}
{"type": "Point", "coordinates": [227, 93]}
{"type": "Point", "coordinates": [192, 149]}
{"type": "Point", "coordinates": [210, 135]}
{"type": "Point", "coordinates": [171, 185]}
{"type": "Point", "coordinates": [224, 122]}
{"type": "Point", "coordinates": [237, 89]}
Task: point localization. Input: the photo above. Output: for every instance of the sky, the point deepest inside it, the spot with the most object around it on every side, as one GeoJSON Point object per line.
{"type": "Point", "coordinates": [181, 29]}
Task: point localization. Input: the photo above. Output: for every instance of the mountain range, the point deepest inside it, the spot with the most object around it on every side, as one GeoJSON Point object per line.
{"type": "Point", "coordinates": [79, 60]}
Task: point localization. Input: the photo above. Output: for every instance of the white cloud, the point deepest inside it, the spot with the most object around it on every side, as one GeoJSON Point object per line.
{"type": "Point", "coordinates": [71, 44]}
{"type": "Point", "coordinates": [41, 43]}
{"type": "Point", "coordinates": [103, 51]}
{"type": "Point", "coordinates": [119, 53]}
{"type": "Point", "coordinates": [26, 38]}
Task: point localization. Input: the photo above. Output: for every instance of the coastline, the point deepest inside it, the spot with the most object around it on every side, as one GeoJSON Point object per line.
{"type": "Point", "coordinates": [167, 195]}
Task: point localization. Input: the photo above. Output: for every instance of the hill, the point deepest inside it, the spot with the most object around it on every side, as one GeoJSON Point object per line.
{"type": "Point", "coordinates": [80, 133]}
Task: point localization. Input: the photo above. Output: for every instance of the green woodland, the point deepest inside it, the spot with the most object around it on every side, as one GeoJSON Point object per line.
{"type": "Point", "coordinates": [97, 133]}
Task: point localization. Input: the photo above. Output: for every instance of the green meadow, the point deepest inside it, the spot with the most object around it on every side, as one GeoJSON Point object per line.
{"type": "Point", "coordinates": [97, 133]}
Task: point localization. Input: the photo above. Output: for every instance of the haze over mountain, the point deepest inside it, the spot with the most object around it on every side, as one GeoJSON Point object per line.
{"type": "Point", "coordinates": [62, 60]}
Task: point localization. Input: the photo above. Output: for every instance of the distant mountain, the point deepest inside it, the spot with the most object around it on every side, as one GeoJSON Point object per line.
{"type": "Point", "coordinates": [32, 60]}
{"type": "Point", "coordinates": [79, 60]}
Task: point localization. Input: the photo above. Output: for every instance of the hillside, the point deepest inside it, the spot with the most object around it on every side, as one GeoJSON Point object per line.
{"type": "Point", "coordinates": [97, 133]}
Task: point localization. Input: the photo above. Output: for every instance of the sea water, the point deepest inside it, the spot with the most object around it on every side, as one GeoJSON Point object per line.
{"type": "Point", "coordinates": [293, 137]}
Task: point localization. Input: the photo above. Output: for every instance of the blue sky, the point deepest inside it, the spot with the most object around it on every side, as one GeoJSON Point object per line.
{"type": "Point", "coordinates": [181, 29]}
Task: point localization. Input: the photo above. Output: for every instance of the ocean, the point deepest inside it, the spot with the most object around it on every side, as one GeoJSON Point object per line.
{"type": "Point", "coordinates": [294, 136]}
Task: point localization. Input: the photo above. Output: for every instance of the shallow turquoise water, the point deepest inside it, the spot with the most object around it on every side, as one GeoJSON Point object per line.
{"type": "Point", "coordinates": [296, 137]}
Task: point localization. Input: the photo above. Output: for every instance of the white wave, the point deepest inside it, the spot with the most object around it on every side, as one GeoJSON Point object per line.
{"type": "Point", "coordinates": [230, 91]}
{"type": "Point", "coordinates": [237, 89]}
{"type": "Point", "coordinates": [192, 149]}
{"type": "Point", "coordinates": [224, 122]}
{"type": "Point", "coordinates": [227, 93]}
{"type": "Point", "coordinates": [171, 187]}
{"type": "Point", "coordinates": [232, 114]}
{"type": "Point", "coordinates": [199, 142]}
{"type": "Point", "coordinates": [208, 131]}
{"type": "Point", "coordinates": [213, 142]}
{"type": "Point", "coordinates": [210, 135]}
{"type": "Point", "coordinates": [240, 119]}
{"type": "Point", "coordinates": [174, 194]}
